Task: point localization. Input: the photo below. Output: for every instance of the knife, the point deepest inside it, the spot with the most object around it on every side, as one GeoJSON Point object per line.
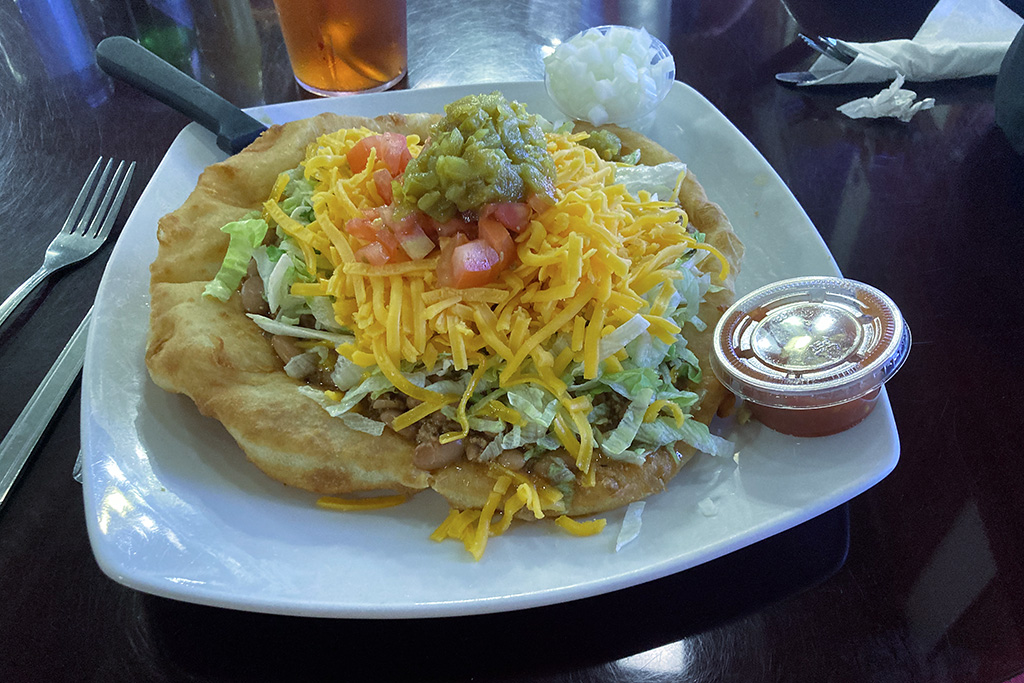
{"type": "Point", "coordinates": [126, 60]}
{"type": "Point", "coordinates": [19, 443]}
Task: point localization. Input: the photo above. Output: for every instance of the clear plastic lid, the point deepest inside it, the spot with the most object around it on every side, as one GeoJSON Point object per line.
{"type": "Point", "coordinates": [809, 342]}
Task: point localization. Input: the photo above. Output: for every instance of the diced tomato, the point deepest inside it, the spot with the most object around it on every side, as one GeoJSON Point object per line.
{"type": "Point", "coordinates": [410, 223]}
{"type": "Point", "coordinates": [389, 240]}
{"type": "Point", "coordinates": [362, 227]}
{"type": "Point", "coordinates": [425, 223]}
{"type": "Point", "coordinates": [495, 235]}
{"type": "Point", "coordinates": [374, 254]}
{"type": "Point", "coordinates": [539, 203]}
{"type": "Point", "coordinates": [454, 225]}
{"type": "Point", "coordinates": [445, 272]}
{"type": "Point", "coordinates": [391, 148]}
{"type": "Point", "coordinates": [513, 215]}
{"type": "Point", "coordinates": [382, 181]}
{"type": "Point", "coordinates": [474, 264]}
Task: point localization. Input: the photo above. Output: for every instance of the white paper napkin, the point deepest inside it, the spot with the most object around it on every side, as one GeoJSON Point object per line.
{"type": "Point", "coordinates": [960, 38]}
{"type": "Point", "coordinates": [894, 102]}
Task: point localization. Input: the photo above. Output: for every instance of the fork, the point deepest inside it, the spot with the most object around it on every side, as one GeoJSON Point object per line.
{"type": "Point", "coordinates": [840, 47]}
{"type": "Point", "coordinates": [86, 228]}
{"type": "Point", "coordinates": [830, 48]}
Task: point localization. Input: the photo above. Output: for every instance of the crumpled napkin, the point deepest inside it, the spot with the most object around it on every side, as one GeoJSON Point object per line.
{"type": "Point", "coordinates": [959, 39]}
{"type": "Point", "coordinates": [894, 101]}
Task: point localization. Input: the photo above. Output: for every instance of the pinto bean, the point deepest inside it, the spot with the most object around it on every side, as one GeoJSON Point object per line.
{"type": "Point", "coordinates": [433, 455]}
{"type": "Point", "coordinates": [475, 445]}
{"type": "Point", "coordinates": [512, 459]}
{"type": "Point", "coordinates": [388, 416]}
{"type": "Point", "coordinates": [408, 433]}
{"type": "Point", "coordinates": [285, 347]}
{"type": "Point", "coordinates": [384, 403]}
{"type": "Point", "coordinates": [252, 296]}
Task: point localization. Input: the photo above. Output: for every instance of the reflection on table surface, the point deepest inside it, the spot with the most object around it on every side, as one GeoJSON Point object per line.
{"type": "Point", "coordinates": [919, 578]}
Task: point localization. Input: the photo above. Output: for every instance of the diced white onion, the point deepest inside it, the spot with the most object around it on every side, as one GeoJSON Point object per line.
{"type": "Point", "coordinates": [417, 246]}
{"type": "Point", "coordinates": [609, 74]}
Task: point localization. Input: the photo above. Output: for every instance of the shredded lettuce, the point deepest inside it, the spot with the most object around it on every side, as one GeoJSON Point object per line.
{"type": "Point", "coordinates": [663, 431]}
{"type": "Point", "coordinates": [563, 479]}
{"type": "Point", "coordinates": [304, 364]}
{"type": "Point", "coordinates": [361, 423]}
{"type": "Point", "coordinates": [323, 310]}
{"type": "Point", "coordinates": [346, 374]}
{"type": "Point", "coordinates": [651, 371]}
{"type": "Point", "coordinates": [277, 327]}
{"type": "Point", "coordinates": [617, 339]}
{"type": "Point", "coordinates": [245, 236]}
{"type": "Point", "coordinates": [619, 439]}
{"type": "Point", "coordinates": [355, 421]}
{"type": "Point", "coordinates": [298, 201]}
{"type": "Point", "coordinates": [631, 522]}
{"type": "Point", "coordinates": [534, 404]}
{"type": "Point", "coordinates": [492, 450]}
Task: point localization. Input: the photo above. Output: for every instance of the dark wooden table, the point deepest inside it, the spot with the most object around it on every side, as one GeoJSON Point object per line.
{"type": "Point", "coordinates": [918, 579]}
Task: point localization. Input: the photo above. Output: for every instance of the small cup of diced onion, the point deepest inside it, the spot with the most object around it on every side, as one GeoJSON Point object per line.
{"type": "Point", "coordinates": [610, 74]}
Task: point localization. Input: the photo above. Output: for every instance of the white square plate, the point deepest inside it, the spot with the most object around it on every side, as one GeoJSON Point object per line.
{"type": "Point", "coordinates": [173, 507]}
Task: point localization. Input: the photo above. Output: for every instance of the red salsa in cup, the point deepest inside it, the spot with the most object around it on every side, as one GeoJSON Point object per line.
{"type": "Point", "coordinates": [809, 355]}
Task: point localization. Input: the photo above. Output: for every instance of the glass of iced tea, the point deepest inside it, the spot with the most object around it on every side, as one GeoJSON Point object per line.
{"type": "Point", "coordinates": [344, 46]}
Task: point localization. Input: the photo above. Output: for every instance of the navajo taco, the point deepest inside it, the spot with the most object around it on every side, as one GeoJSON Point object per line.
{"type": "Point", "coordinates": [515, 315]}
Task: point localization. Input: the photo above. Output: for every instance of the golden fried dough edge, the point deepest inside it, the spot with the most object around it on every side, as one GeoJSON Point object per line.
{"type": "Point", "coordinates": [467, 485]}
{"type": "Point", "coordinates": [231, 373]}
{"type": "Point", "coordinates": [211, 352]}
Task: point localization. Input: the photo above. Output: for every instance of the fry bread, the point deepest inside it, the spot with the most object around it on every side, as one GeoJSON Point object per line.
{"type": "Point", "coordinates": [211, 352]}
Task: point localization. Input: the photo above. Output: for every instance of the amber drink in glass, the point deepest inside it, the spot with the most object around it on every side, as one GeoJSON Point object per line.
{"type": "Point", "coordinates": [344, 46]}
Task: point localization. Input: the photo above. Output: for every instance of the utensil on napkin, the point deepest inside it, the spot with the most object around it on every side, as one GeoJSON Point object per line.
{"type": "Point", "coordinates": [21, 440]}
{"type": "Point", "coordinates": [830, 47]}
{"type": "Point", "coordinates": [128, 61]}
{"type": "Point", "coordinates": [959, 39]}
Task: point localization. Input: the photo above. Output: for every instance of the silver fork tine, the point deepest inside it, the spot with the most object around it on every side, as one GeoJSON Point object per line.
{"type": "Point", "coordinates": [97, 219]}
{"type": "Point", "coordinates": [118, 199]}
{"type": "Point", "coordinates": [825, 49]}
{"type": "Point", "coordinates": [73, 214]}
{"type": "Point", "coordinates": [840, 47]}
{"type": "Point", "coordinates": [83, 221]}
{"type": "Point", "coordinates": [72, 245]}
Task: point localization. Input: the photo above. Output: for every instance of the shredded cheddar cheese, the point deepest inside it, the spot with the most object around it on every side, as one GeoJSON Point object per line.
{"type": "Point", "coordinates": [594, 526]}
{"type": "Point", "coordinates": [583, 267]}
{"type": "Point", "coordinates": [511, 492]}
{"type": "Point", "coordinates": [582, 264]}
{"type": "Point", "coordinates": [350, 504]}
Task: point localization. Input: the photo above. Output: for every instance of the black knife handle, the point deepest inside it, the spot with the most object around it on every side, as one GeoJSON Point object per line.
{"type": "Point", "coordinates": [126, 60]}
